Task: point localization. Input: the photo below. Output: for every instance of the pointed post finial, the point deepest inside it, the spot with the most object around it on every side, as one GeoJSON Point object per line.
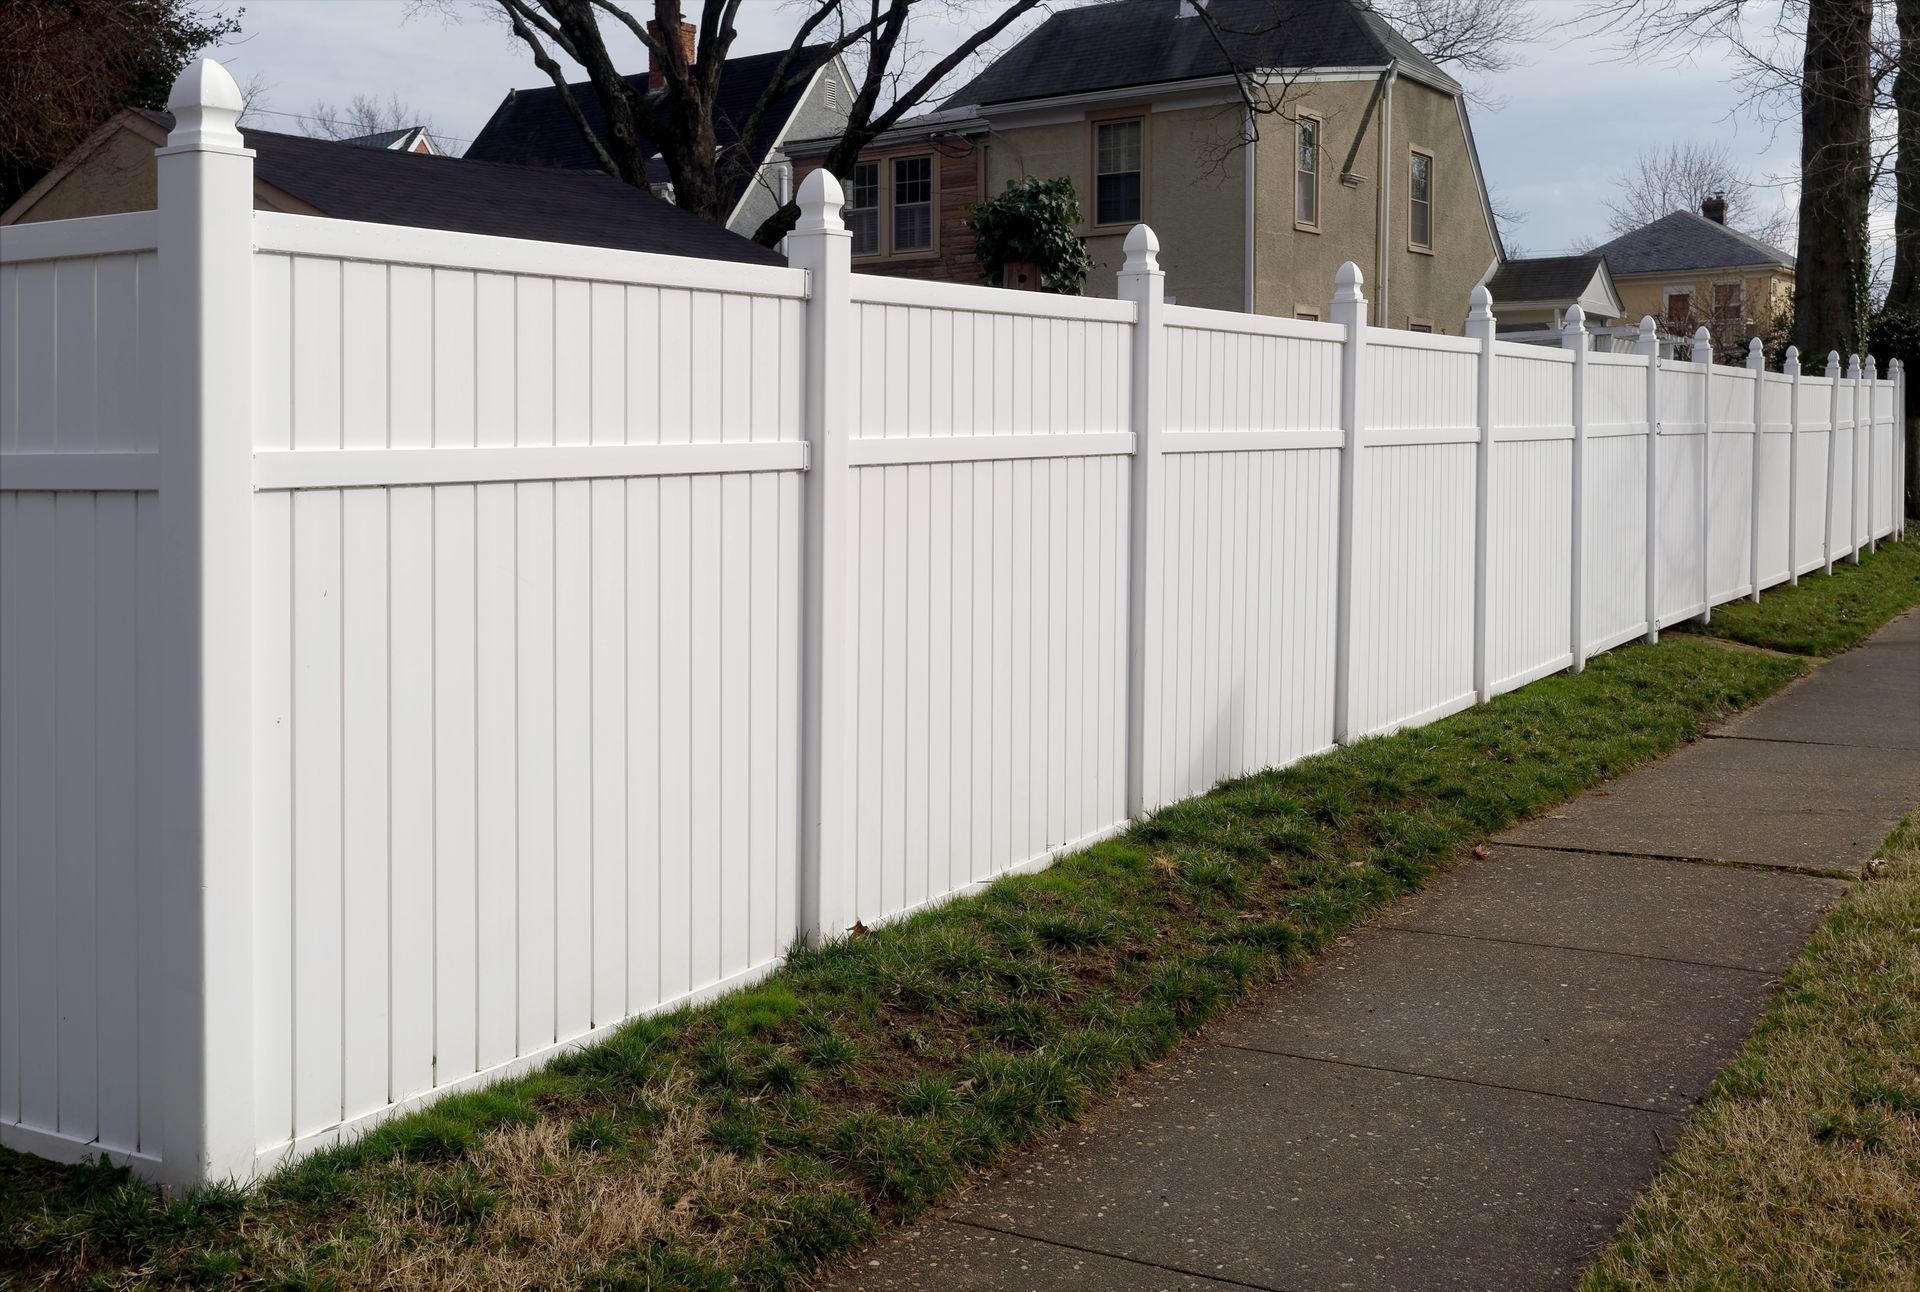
{"type": "Point", "coordinates": [820, 198]}
{"type": "Point", "coordinates": [1756, 354]}
{"type": "Point", "coordinates": [1873, 368]}
{"type": "Point", "coordinates": [1143, 251]}
{"type": "Point", "coordinates": [1702, 345]}
{"type": "Point", "coordinates": [1349, 284]}
{"type": "Point", "coordinates": [1853, 365]}
{"type": "Point", "coordinates": [1479, 304]}
{"type": "Point", "coordinates": [206, 107]}
{"type": "Point", "coordinates": [1573, 329]}
{"type": "Point", "coordinates": [1792, 362]}
{"type": "Point", "coordinates": [1833, 363]}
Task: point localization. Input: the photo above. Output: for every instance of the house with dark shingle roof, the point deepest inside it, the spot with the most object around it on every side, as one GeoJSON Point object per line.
{"type": "Point", "coordinates": [1690, 269]}
{"type": "Point", "coordinates": [533, 127]}
{"type": "Point", "coordinates": [1535, 293]}
{"type": "Point", "coordinates": [114, 171]}
{"type": "Point", "coordinates": [1369, 158]}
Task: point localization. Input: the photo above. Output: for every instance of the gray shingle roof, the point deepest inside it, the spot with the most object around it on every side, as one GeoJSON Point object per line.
{"type": "Point", "coordinates": [1543, 278]}
{"type": "Point", "coordinates": [587, 208]}
{"type": "Point", "coordinates": [1687, 240]}
{"type": "Point", "coordinates": [1141, 42]}
{"type": "Point", "coordinates": [532, 127]}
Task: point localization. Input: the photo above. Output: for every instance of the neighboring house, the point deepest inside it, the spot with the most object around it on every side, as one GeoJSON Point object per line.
{"type": "Point", "coordinates": [534, 128]}
{"type": "Point", "coordinates": [114, 171]}
{"type": "Point", "coordinates": [1531, 298]}
{"type": "Point", "coordinates": [412, 139]}
{"type": "Point", "coordinates": [1372, 159]}
{"type": "Point", "coordinates": [1689, 269]}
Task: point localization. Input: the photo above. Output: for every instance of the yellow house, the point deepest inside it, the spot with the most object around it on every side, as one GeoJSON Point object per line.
{"type": "Point", "coordinates": [1689, 269]}
{"type": "Point", "coordinates": [1366, 155]}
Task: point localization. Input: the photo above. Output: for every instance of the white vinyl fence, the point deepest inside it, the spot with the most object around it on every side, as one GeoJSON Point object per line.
{"type": "Point", "coordinates": [420, 653]}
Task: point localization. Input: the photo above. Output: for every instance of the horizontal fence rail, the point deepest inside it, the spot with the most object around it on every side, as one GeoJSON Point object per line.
{"type": "Point", "coordinates": [421, 652]}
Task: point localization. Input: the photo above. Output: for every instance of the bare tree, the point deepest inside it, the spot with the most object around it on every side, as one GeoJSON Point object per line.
{"type": "Point", "coordinates": [1679, 177]}
{"type": "Point", "coordinates": [256, 92]}
{"type": "Point", "coordinates": [1833, 85]}
{"type": "Point", "coordinates": [1903, 289]}
{"type": "Point", "coordinates": [366, 114]}
{"type": "Point", "coordinates": [678, 123]}
{"type": "Point", "coordinates": [1475, 36]}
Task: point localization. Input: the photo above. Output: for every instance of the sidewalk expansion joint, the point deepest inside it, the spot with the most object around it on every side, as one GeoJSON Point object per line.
{"type": "Point", "coordinates": [1565, 946]}
{"type": "Point", "coordinates": [1115, 1256]}
{"type": "Point", "coordinates": [1463, 1081]}
{"type": "Point", "coordinates": [1818, 744]}
{"type": "Point", "coordinates": [1814, 872]}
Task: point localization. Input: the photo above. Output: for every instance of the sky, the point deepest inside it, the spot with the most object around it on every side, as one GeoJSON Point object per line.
{"type": "Point", "coordinates": [1556, 134]}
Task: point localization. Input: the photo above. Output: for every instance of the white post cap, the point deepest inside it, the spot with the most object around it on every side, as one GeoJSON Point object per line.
{"type": "Point", "coordinates": [1348, 285]}
{"type": "Point", "coordinates": [820, 198]}
{"type": "Point", "coordinates": [1702, 345]}
{"type": "Point", "coordinates": [1853, 365]}
{"type": "Point", "coordinates": [1573, 329]}
{"type": "Point", "coordinates": [1756, 353]}
{"type": "Point", "coordinates": [1792, 363]}
{"type": "Point", "coordinates": [1873, 368]}
{"type": "Point", "coordinates": [1833, 363]}
{"type": "Point", "coordinates": [1143, 251]}
{"type": "Point", "coordinates": [206, 107]}
{"type": "Point", "coordinates": [1479, 304]}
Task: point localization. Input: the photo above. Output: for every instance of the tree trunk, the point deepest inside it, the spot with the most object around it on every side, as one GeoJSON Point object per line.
{"type": "Point", "coordinates": [1836, 103]}
{"type": "Point", "coordinates": [1904, 292]}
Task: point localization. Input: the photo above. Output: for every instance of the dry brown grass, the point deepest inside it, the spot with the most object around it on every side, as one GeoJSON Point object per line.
{"type": "Point", "coordinates": [1802, 1169]}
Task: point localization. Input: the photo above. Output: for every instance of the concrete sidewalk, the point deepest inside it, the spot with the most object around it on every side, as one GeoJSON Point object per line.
{"type": "Point", "coordinates": [1472, 1092]}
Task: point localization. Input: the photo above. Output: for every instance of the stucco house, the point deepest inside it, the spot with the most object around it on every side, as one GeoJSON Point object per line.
{"type": "Point", "coordinates": [114, 171]}
{"type": "Point", "coordinates": [1689, 269]}
{"type": "Point", "coordinates": [533, 127]}
{"type": "Point", "coordinates": [1370, 158]}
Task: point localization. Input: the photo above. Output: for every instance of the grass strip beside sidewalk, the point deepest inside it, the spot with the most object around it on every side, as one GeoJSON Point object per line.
{"type": "Point", "coordinates": [1824, 616]}
{"type": "Point", "coordinates": [1802, 1167]}
{"type": "Point", "coordinates": [753, 1141]}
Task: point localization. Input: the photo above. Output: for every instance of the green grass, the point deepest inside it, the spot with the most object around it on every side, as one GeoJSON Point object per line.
{"type": "Point", "coordinates": [1802, 1167]}
{"type": "Point", "coordinates": [753, 1141]}
{"type": "Point", "coordinates": [1824, 616]}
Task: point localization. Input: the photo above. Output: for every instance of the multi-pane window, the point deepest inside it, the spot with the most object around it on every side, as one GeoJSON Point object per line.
{"type": "Point", "coordinates": [862, 211]}
{"type": "Point", "coordinates": [1306, 174]}
{"type": "Point", "coordinates": [1679, 311]}
{"type": "Point", "coordinates": [1118, 148]}
{"type": "Point", "coordinates": [913, 204]}
{"type": "Point", "coordinates": [1728, 306]}
{"type": "Point", "coordinates": [1420, 202]}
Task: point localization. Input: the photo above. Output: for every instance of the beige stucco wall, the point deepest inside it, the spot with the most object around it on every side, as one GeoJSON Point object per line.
{"type": "Point", "coordinates": [1294, 268]}
{"type": "Point", "coordinates": [1769, 292]}
{"type": "Point", "coordinates": [1195, 196]}
{"type": "Point", "coordinates": [116, 177]}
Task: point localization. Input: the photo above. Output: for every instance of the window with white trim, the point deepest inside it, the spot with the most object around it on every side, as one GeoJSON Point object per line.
{"type": "Point", "coordinates": [862, 212]}
{"type": "Point", "coordinates": [1119, 150]}
{"type": "Point", "coordinates": [1420, 202]}
{"type": "Point", "coordinates": [912, 204]}
{"type": "Point", "coordinates": [1306, 173]}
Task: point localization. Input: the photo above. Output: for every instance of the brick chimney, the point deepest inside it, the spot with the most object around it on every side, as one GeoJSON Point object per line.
{"type": "Point", "coordinates": [1715, 208]}
{"type": "Point", "coordinates": [656, 72]}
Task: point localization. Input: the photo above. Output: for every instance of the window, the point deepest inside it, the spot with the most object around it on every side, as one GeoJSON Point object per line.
{"type": "Point", "coordinates": [913, 204]}
{"type": "Point", "coordinates": [1420, 203]}
{"type": "Point", "coordinates": [1117, 148]}
{"type": "Point", "coordinates": [863, 208]}
{"type": "Point", "coordinates": [1728, 306]}
{"type": "Point", "coordinates": [1306, 316]}
{"type": "Point", "coordinates": [1679, 311]}
{"type": "Point", "coordinates": [1306, 174]}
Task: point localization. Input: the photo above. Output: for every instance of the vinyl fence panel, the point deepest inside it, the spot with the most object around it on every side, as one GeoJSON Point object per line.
{"type": "Point", "coordinates": [421, 653]}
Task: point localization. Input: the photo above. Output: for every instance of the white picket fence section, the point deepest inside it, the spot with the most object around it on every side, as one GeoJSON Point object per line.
{"type": "Point", "coordinates": [420, 653]}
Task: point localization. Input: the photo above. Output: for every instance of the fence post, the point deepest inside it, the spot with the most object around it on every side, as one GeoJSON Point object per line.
{"type": "Point", "coordinates": [1853, 466]}
{"type": "Point", "coordinates": [205, 241]}
{"type": "Point", "coordinates": [1833, 454]}
{"type": "Point", "coordinates": [1481, 328]}
{"type": "Point", "coordinates": [1647, 345]}
{"type": "Point", "coordinates": [821, 245]}
{"type": "Point", "coordinates": [1792, 368]}
{"type": "Point", "coordinates": [1873, 454]}
{"type": "Point", "coordinates": [1349, 310]}
{"type": "Point", "coordinates": [1573, 336]}
{"type": "Point", "coordinates": [1757, 365]}
{"type": "Point", "coordinates": [1703, 356]}
{"type": "Point", "coordinates": [1898, 371]}
{"type": "Point", "coordinates": [1142, 282]}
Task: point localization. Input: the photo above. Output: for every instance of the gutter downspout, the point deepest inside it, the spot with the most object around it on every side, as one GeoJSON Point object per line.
{"type": "Point", "coordinates": [1253, 156]}
{"type": "Point", "coordinates": [1384, 222]}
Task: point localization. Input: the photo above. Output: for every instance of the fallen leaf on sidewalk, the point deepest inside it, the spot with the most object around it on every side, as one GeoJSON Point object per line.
{"type": "Point", "coordinates": [1480, 850]}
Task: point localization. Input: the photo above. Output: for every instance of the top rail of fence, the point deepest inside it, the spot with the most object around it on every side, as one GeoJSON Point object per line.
{"type": "Point", "coordinates": [392, 244]}
{"type": "Point", "coordinates": [1206, 320]}
{"type": "Point", "coordinates": [94, 235]}
{"type": "Point", "coordinates": [874, 289]}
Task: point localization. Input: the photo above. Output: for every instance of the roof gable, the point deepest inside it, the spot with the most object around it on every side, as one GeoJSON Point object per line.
{"type": "Point", "coordinates": [1687, 240]}
{"type": "Point", "coordinates": [1559, 281]}
{"type": "Point", "coordinates": [532, 127]}
{"type": "Point", "coordinates": [1148, 42]}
